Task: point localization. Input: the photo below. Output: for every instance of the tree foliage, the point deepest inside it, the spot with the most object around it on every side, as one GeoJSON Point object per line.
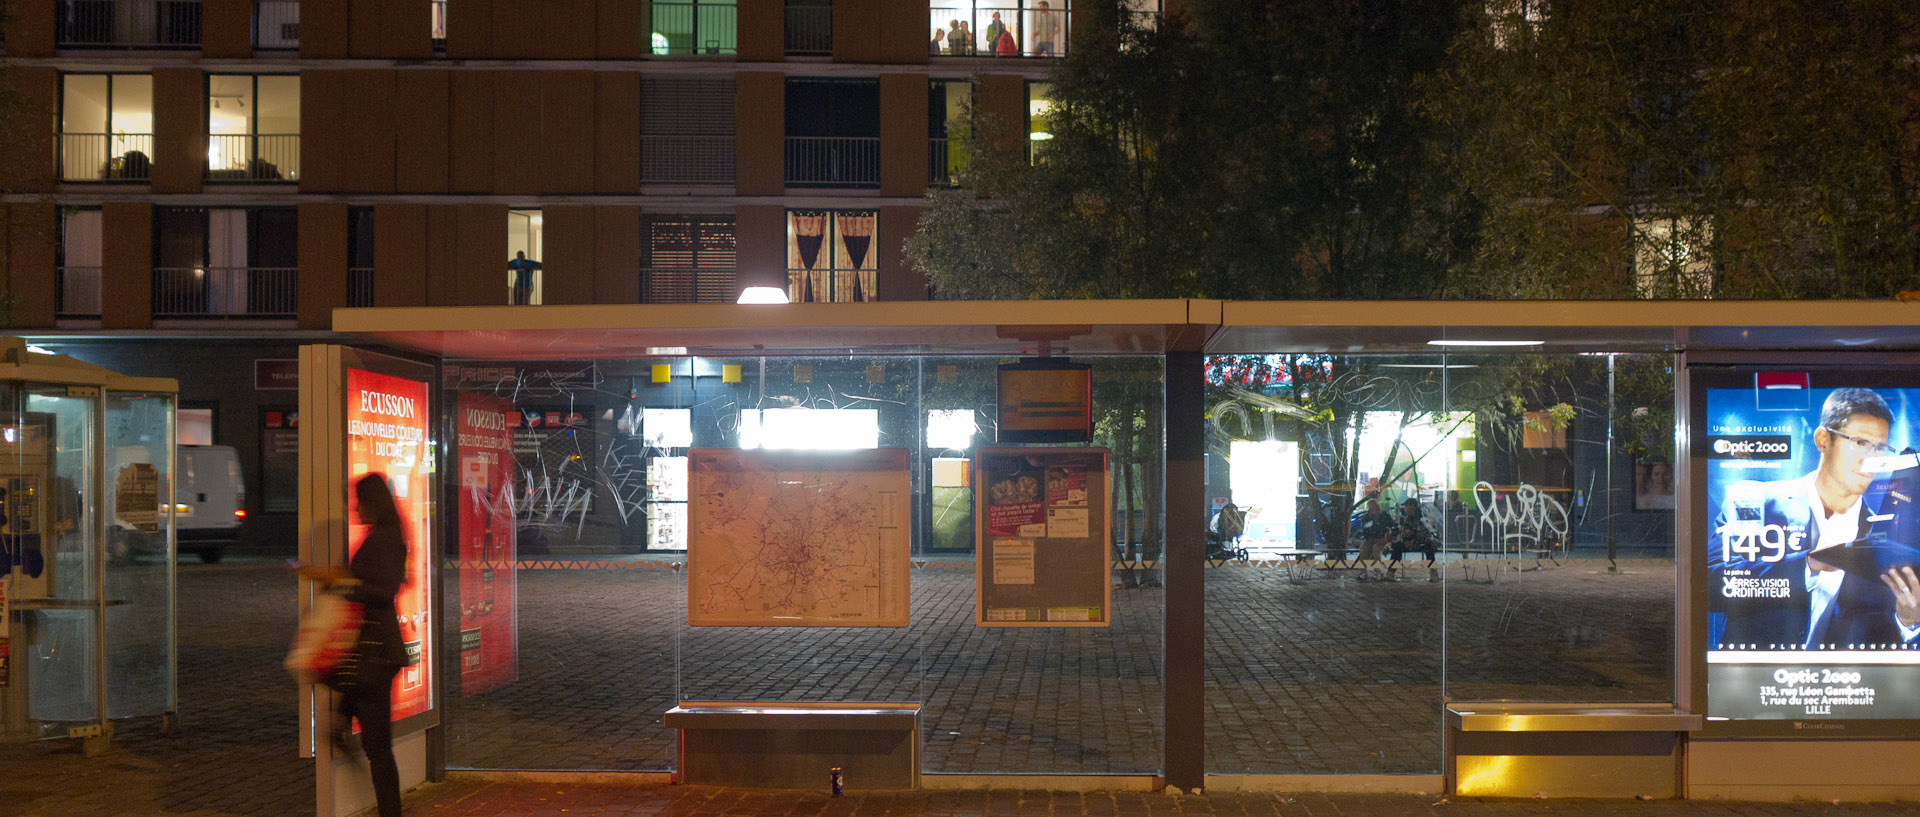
{"type": "Point", "coordinates": [1244, 149]}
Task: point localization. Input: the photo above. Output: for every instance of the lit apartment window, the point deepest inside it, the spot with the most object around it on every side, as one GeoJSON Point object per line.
{"type": "Point", "coordinates": [686, 131]}
{"type": "Point", "coordinates": [809, 28]}
{"type": "Point", "coordinates": [128, 23]}
{"type": "Point", "coordinates": [439, 25]}
{"type": "Point", "coordinates": [998, 28]}
{"type": "Point", "coordinates": [949, 131]}
{"type": "Point", "coordinates": [830, 256]}
{"type": "Point", "coordinates": [693, 27]}
{"type": "Point", "coordinates": [1039, 116]}
{"type": "Point", "coordinates": [225, 263]}
{"type": "Point", "coordinates": [833, 133]}
{"type": "Point", "coordinates": [1144, 13]}
{"type": "Point", "coordinates": [1512, 20]}
{"type": "Point", "coordinates": [106, 127]}
{"type": "Point", "coordinates": [78, 292]}
{"type": "Point", "coordinates": [253, 128]}
{"type": "Point", "coordinates": [276, 25]}
{"type": "Point", "coordinates": [1672, 259]}
{"type": "Point", "coordinates": [524, 251]}
{"type": "Point", "coordinates": [690, 259]}
{"type": "Point", "coordinates": [360, 256]}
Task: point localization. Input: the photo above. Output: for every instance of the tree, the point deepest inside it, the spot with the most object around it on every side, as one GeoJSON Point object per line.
{"type": "Point", "coordinates": [1757, 150]}
{"type": "Point", "coordinates": [1243, 149]}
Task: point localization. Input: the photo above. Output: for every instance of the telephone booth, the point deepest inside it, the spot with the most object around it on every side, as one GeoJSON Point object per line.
{"type": "Point", "coordinates": [86, 547]}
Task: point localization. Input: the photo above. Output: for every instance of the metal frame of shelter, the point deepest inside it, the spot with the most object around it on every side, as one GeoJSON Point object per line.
{"type": "Point", "coordinates": [1714, 762]}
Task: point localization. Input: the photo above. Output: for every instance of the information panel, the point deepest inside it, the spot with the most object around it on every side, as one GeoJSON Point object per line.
{"type": "Point", "coordinates": [1044, 538]}
{"type": "Point", "coordinates": [1811, 481]}
{"type": "Point", "coordinates": [798, 538]}
{"type": "Point", "coordinates": [489, 609]}
{"type": "Point", "coordinates": [387, 432]}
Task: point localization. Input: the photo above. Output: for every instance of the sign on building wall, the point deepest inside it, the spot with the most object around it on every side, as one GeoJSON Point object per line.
{"type": "Point", "coordinates": [1044, 538]}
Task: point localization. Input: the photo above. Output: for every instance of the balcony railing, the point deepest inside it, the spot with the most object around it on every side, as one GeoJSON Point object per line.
{"type": "Point", "coordinates": [674, 159]}
{"type": "Point", "coordinates": [946, 160]}
{"type": "Point", "coordinates": [1032, 32]}
{"type": "Point", "coordinates": [810, 31]}
{"type": "Point", "coordinates": [224, 292]}
{"type": "Point", "coordinates": [360, 286]}
{"type": "Point", "coordinates": [249, 157]}
{"type": "Point", "coordinates": [833, 161]}
{"type": "Point", "coordinates": [831, 286]}
{"type": "Point", "coordinates": [660, 285]}
{"type": "Point", "coordinates": [106, 156]}
{"type": "Point", "coordinates": [77, 293]}
{"type": "Point", "coordinates": [129, 24]}
{"type": "Point", "coordinates": [276, 25]}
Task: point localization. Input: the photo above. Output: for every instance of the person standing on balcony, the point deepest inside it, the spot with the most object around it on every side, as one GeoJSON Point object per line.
{"type": "Point", "coordinates": [522, 270]}
{"type": "Point", "coordinates": [1046, 30]}
{"type": "Point", "coordinates": [994, 30]}
{"type": "Point", "coordinates": [956, 39]}
{"type": "Point", "coordinates": [939, 38]}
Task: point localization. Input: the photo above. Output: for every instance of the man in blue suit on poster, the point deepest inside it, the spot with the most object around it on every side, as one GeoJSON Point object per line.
{"type": "Point", "coordinates": [1764, 555]}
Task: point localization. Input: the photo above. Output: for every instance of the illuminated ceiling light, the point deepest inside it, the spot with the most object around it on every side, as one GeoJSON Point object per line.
{"type": "Point", "coordinates": [1040, 136]}
{"type": "Point", "coordinates": [1467, 342]}
{"type": "Point", "coordinates": [39, 350]}
{"type": "Point", "coordinates": [763, 295]}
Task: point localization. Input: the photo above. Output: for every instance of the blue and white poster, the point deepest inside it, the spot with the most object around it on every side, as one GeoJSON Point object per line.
{"type": "Point", "coordinates": [1813, 608]}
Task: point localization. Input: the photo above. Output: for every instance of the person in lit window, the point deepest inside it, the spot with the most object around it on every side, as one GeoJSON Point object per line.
{"type": "Point", "coordinates": [956, 39]}
{"type": "Point", "coordinates": [1046, 30]}
{"type": "Point", "coordinates": [939, 39]}
{"type": "Point", "coordinates": [522, 269]}
{"type": "Point", "coordinates": [994, 30]}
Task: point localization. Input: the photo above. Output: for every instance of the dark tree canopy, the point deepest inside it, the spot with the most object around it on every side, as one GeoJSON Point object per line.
{"type": "Point", "coordinates": [1456, 148]}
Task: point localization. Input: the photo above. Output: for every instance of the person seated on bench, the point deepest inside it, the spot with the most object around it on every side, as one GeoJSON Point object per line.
{"type": "Point", "coordinates": [1412, 534]}
{"type": "Point", "coordinates": [1376, 527]}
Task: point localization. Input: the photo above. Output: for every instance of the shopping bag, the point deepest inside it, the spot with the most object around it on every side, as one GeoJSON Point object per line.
{"type": "Point", "coordinates": [328, 635]}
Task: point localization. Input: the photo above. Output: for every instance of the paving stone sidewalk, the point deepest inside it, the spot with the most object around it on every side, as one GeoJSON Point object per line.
{"type": "Point", "coordinates": [485, 798]}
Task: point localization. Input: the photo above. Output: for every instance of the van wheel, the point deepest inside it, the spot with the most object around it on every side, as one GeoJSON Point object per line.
{"type": "Point", "coordinates": [211, 556]}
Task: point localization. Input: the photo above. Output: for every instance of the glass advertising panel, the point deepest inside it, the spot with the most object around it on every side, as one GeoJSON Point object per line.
{"type": "Point", "coordinates": [387, 420]}
{"type": "Point", "coordinates": [1811, 476]}
{"type": "Point", "coordinates": [489, 606]}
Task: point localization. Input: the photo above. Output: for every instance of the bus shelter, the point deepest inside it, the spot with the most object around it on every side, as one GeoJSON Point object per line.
{"type": "Point", "coordinates": [86, 547]}
{"type": "Point", "coordinates": [1551, 624]}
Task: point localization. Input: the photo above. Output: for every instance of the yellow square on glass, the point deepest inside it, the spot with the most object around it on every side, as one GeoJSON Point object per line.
{"type": "Point", "coordinates": [730, 373]}
{"type": "Point", "coordinates": [662, 372]}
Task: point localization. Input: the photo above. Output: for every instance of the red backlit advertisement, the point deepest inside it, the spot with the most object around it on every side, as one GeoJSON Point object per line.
{"type": "Point", "coordinates": [387, 432]}
{"type": "Point", "coordinates": [489, 631]}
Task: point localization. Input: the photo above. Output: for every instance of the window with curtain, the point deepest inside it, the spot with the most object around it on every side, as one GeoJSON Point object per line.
{"type": "Point", "coordinates": [830, 256]}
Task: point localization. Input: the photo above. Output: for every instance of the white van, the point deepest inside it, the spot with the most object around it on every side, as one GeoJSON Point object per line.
{"type": "Point", "coordinates": [209, 500]}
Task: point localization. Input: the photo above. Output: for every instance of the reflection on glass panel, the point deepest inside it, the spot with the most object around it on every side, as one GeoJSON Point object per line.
{"type": "Point", "coordinates": [49, 463]}
{"type": "Point", "coordinates": [1577, 602]}
{"type": "Point", "coordinates": [1323, 645]}
{"type": "Point", "coordinates": [1493, 497]}
{"type": "Point", "coordinates": [139, 447]}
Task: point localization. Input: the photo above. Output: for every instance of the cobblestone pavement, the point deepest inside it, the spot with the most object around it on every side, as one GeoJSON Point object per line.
{"type": "Point", "coordinates": [1306, 675]}
{"type": "Point", "coordinates": [476, 798]}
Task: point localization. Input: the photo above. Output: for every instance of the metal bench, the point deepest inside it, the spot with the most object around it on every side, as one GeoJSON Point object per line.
{"type": "Point", "coordinates": [793, 745]}
{"type": "Point", "coordinates": [1505, 749]}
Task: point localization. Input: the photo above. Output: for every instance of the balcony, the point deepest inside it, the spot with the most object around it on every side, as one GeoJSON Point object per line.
{"type": "Point", "coordinates": [1032, 32]}
{"type": "Point", "coordinates": [89, 157]}
{"type": "Point", "coordinates": [131, 24]}
{"type": "Point", "coordinates": [359, 286]}
{"type": "Point", "coordinates": [225, 292]}
{"type": "Point", "coordinates": [810, 30]}
{"type": "Point", "coordinates": [276, 25]}
{"type": "Point", "coordinates": [684, 159]}
{"type": "Point", "coordinates": [681, 28]}
{"type": "Point", "coordinates": [77, 293]}
{"type": "Point", "coordinates": [660, 285]}
{"type": "Point", "coordinates": [248, 157]}
{"type": "Point", "coordinates": [946, 160]}
{"type": "Point", "coordinates": [833, 161]}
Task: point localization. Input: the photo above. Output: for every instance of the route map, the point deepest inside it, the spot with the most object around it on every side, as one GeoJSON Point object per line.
{"type": "Point", "coordinates": [798, 538]}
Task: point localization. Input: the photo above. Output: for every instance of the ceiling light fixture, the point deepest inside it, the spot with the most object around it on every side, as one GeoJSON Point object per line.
{"type": "Point", "coordinates": [1466, 342]}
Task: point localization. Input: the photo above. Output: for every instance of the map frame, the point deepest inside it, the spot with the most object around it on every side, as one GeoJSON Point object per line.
{"type": "Point", "coordinates": [772, 469]}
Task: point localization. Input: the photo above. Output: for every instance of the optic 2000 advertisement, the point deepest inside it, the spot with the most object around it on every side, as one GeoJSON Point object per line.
{"type": "Point", "coordinates": [1811, 485]}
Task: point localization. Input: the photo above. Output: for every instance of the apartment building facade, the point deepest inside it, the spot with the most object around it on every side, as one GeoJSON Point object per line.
{"type": "Point", "coordinates": [226, 173]}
